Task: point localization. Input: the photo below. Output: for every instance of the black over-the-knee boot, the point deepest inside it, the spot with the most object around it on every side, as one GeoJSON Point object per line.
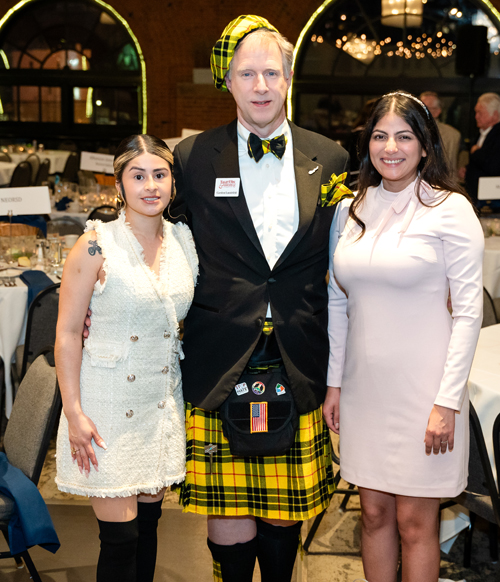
{"type": "Point", "coordinates": [148, 515]}
{"type": "Point", "coordinates": [277, 550]}
{"type": "Point", "coordinates": [118, 551]}
{"type": "Point", "coordinates": [234, 563]}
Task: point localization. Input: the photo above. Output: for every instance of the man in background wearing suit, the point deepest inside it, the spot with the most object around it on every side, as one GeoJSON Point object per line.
{"type": "Point", "coordinates": [449, 135]}
{"type": "Point", "coordinates": [261, 231]}
{"type": "Point", "coordinates": [485, 154]}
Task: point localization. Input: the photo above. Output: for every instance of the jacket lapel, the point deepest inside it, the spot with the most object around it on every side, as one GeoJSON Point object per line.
{"type": "Point", "coordinates": [308, 182]}
{"type": "Point", "coordinates": [226, 165]}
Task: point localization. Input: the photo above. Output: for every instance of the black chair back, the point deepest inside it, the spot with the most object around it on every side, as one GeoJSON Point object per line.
{"type": "Point", "coordinates": [489, 313]}
{"type": "Point", "coordinates": [21, 176]}
{"type": "Point", "coordinates": [34, 161]}
{"type": "Point", "coordinates": [64, 225]}
{"type": "Point", "coordinates": [43, 172]}
{"type": "Point", "coordinates": [496, 447]}
{"type": "Point", "coordinates": [104, 213]}
{"type": "Point", "coordinates": [41, 325]}
{"type": "Point", "coordinates": [70, 172]}
{"type": "Point", "coordinates": [4, 157]}
{"type": "Point", "coordinates": [481, 486]}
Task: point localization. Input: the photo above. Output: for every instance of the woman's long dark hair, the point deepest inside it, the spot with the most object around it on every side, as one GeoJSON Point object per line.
{"type": "Point", "coordinates": [434, 168]}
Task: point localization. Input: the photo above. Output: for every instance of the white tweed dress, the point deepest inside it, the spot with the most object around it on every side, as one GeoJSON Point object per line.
{"type": "Point", "coordinates": [130, 380]}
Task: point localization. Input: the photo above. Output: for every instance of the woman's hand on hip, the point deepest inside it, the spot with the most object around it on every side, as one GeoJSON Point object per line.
{"type": "Point", "coordinates": [81, 432]}
{"type": "Point", "coordinates": [331, 408]}
{"type": "Point", "coordinates": [440, 433]}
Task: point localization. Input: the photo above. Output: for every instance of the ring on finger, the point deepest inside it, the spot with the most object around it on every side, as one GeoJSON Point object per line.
{"type": "Point", "coordinates": [444, 442]}
{"type": "Point", "coordinates": [74, 451]}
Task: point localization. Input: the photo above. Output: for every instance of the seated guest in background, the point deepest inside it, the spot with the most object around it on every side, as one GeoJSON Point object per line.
{"type": "Point", "coordinates": [123, 391]}
{"type": "Point", "coordinates": [450, 136]}
{"type": "Point", "coordinates": [485, 154]}
{"type": "Point", "coordinates": [399, 361]}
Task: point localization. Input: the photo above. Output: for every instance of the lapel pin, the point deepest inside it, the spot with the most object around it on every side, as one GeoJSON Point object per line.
{"type": "Point", "coordinates": [312, 171]}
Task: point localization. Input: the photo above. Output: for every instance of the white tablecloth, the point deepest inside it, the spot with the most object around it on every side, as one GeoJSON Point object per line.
{"type": "Point", "coordinates": [13, 315]}
{"type": "Point", "coordinates": [491, 265]}
{"type": "Point", "coordinates": [57, 159]}
{"type": "Point", "coordinates": [484, 394]}
{"type": "Point", "coordinates": [6, 171]}
{"type": "Point", "coordinates": [13, 311]}
{"type": "Point", "coordinates": [484, 383]}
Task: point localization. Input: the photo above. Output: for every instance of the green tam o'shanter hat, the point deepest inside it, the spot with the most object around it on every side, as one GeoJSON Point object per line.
{"type": "Point", "coordinates": [223, 51]}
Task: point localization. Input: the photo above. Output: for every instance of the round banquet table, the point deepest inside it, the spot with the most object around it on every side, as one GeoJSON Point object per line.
{"type": "Point", "coordinates": [13, 315]}
{"type": "Point", "coordinates": [484, 394]}
{"type": "Point", "coordinates": [6, 171]}
{"type": "Point", "coordinates": [484, 383]}
{"type": "Point", "coordinates": [491, 265]}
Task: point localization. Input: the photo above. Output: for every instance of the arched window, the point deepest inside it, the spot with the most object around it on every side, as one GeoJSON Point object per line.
{"type": "Point", "coordinates": [354, 50]}
{"type": "Point", "coordinates": [69, 68]}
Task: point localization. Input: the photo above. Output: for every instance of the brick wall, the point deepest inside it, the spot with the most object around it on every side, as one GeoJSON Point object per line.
{"type": "Point", "coordinates": [176, 36]}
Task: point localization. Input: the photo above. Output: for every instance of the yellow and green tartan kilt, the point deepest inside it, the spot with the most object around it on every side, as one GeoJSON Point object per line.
{"type": "Point", "coordinates": [295, 486]}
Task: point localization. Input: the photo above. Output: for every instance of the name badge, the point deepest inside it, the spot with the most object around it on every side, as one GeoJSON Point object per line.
{"type": "Point", "coordinates": [227, 187]}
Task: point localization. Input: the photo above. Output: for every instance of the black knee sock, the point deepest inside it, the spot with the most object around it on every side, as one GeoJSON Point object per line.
{"type": "Point", "coordinates": [118, 551]}
{"type": "Point", "coordinates": [237, 562]}
{"type": "Point", "coordinates": [277, 550]}
{"type": "Point", "coordinates": [148, 515]}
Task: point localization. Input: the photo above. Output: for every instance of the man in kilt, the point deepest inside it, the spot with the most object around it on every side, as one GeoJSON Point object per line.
{"type": "Point", "coordinates": [261, 227]}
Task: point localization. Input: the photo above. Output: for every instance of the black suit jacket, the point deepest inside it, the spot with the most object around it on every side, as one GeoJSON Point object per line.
{"type": "Point", "coordinates": [236, 283]}
{"type": "Point", "coordinates": [484, 162]}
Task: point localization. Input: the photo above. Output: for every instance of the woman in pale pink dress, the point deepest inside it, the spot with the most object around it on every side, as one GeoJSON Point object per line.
{"type": "Point", "coordinates": [399, 362]}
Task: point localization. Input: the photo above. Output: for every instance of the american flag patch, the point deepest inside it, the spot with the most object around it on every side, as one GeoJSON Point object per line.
{"type": "Point", "coordinates": [258, 414]}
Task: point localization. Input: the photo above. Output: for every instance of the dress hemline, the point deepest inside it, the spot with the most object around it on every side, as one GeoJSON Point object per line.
{"type": "Point", "coordinates": [126, 491]}
{"type": "Point", "coordinates": [424, 491]}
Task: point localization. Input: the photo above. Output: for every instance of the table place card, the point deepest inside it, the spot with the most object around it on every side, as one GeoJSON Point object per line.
{"type": "Point", "coordinates": [489, 188]}
{"type": "Point", "coordinates": [102, 163]}
{"type": "Point", "coordinates": [29, 200]}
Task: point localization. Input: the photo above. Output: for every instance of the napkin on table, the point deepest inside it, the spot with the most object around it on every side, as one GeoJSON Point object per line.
{"type": "Point", "coordinates": [36, 281]}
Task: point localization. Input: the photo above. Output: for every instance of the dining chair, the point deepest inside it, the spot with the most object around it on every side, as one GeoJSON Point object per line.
{"type": "Point", "coordinates": [86, 178]}
{"type": "Point", "coordinates": [64, 225]}
{"type": "Point", "coordinates": [481, 496]}
{"type": "Point", "coordinates": [27, 436]}
{"type": "Point", "coordinates": [21, 176]}
{"type": "Point", "coordinates": [4, 157]}
{"type": "Point", "coordinates": [104, 213]}
{"type": "Point", "coordinates": [489, 313]}
{"type": "Point", "coordinates": [496, 304]}
{"type": "Point", "coordinates": [71, 167]}
{"type": "Point", "coordinates": [34, 161]}
{"type": "Point", "coordinates": [43, 172]}
{"type": "Point", "coordinates": [40, 330]}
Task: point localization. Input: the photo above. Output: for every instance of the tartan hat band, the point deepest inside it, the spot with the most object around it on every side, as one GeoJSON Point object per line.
{"type": "Point", "coordinates": [224, 48]}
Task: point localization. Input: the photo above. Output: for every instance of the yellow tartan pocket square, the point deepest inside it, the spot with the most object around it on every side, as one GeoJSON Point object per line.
{"type": "Point", "coordinates": [335, 191]}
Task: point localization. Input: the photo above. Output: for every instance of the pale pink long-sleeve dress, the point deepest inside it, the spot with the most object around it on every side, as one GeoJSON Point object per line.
{"type": "Point", "coordinates": [394, 348]}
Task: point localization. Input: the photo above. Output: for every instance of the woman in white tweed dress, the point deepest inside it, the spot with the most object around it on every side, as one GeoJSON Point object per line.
{"type": "Point", "coordinates": [121, 438]}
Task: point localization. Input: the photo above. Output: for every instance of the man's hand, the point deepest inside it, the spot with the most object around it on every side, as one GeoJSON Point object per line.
{"type": "Point", "coordinates": [87, 324]}
{"type": "Point", "coordinates": [474, 148]}
{"type": "Point", "coordinates": [331, 409]}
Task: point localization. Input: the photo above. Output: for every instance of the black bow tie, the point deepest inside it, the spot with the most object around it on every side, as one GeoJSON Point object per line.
{"type": "Point", "coordinates": [258, 147]}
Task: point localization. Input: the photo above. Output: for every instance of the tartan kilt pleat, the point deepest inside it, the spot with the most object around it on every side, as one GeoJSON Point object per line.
{"type": "Point", "coordinates": [295, 486]}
